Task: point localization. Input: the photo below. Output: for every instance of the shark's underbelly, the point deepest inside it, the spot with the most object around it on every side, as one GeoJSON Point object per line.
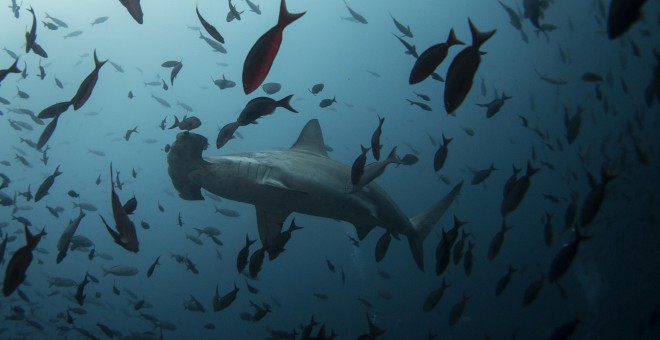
{"type": "Point", "coordinates": [296, 182]}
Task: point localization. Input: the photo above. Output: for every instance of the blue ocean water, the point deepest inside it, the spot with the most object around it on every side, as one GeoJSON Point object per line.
{"type": "Point", "coordinates": [611, 286]}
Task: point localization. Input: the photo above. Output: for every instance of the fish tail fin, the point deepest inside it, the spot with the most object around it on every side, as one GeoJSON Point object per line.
{"type": "Point", "coordinates": [452, 40]}
{"type": "Point", "coordinates": [334, 99]}
{"type": "Point", "coordinates": [531, 170]}
{"type": "Point", "coordinates": [286, 18]}
{"type": "Point", "coordinates": [393, 158]}
{"type": "Point", "coordinates": [446, 140]}
{"type": "Point", "coordinates": [176, 123]}
{"type": "Point", "coordinates": [479, 38]}
{"type": "Point", "coordinates": [57, 171]}
{"type": "Point", "coordinates": [186, 155]}
{"type": "Point", "coordinates": [423, 223]}
{"type": "Point", "coordinates": [13, 68]}
{"type": "Point", "coordinates": [606, 175]}
{"type": "Point", "coordinates": [30, 239]}
{"type": "Point", "coordinates": [105, 271]}
{"type": "Point", "coordinates": [286, 103]}
{"type": "Point", "coordinates": [97, 63]}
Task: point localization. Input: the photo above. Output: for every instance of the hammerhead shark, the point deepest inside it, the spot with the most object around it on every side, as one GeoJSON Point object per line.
{"type": "Point", "coordinates": [302, 179]}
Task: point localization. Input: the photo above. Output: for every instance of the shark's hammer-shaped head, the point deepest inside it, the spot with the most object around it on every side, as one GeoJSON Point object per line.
{"type": "Point", "coordinates": [185, 156]}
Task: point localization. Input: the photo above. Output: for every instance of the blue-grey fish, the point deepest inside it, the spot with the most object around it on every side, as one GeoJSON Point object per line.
{"type": "Point", "coordinates": [99, 20]}
{"type": "Point", "coordinates": [57, 21]}
{"type": "Point", "coordinates": [357, 16]}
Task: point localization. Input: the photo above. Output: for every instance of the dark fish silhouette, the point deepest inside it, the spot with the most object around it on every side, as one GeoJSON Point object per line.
{"type": "Point", "coordinates": [463, 68]}
{"type": "Point", "coordinates": [46, 184]}
{"type": "Point", "coordinates": [134, 9]}
{"type": "Point", "coordinates": [592, 203]}
{"type": "Point", "coordinates": [357, 16]}
{"type": "Point", "coordinates": [152, 267]}
{"type": "Point", "coordinates": [47, 133]}
{"type": "Point", "coordinates": [242, 259]}
{"type": "Point", "coordinates": [262, 106]}
{"type": "Point", "coordinates": [358, 166]}
{"type": "Point", "coordinates": [262, 54]}
{"type": "Point", "coordinates": [622, 15]}
{"type": "Point", "coordinates": [375, 139]}
{"type": "Point", "coordinates": [209, 28]}
{"type": "Point", "coordinates": [125, 235]}
{"type": "Point", "coordinates": [20, 261]}
{"type": "Point", "coordinates": [12, 69]}
{"type": "Point", "coordinates": [429, 60]}
{"type": "Point", "coordinates": [87, 86]}
{"type": "Point", "coordinates": [564, 258]}
{"type": "Point", "coordinates": [31, 37]}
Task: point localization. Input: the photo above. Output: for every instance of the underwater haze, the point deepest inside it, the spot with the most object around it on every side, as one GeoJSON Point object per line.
{"type": "Point", "coordinates": [520, 199]}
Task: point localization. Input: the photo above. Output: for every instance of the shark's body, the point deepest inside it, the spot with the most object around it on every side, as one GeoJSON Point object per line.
{"type": "Point", "coordinates": [302, 179]}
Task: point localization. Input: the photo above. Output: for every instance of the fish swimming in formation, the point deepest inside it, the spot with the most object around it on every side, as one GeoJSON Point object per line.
{"type": "Point", "coordinates": [262, 54]}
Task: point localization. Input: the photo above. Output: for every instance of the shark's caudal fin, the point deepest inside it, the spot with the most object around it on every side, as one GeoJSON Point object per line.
{"type": "Point", "coordinates": [184, 156]}
{"type": "Point", "coordinates": [424, 222]}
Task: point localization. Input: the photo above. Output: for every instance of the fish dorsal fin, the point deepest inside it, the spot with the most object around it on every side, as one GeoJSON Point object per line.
{"type": "Point", "coordinates": [311, 139]}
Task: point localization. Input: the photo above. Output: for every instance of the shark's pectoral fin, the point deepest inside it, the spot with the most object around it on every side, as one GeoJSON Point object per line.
{"type": "Point", "coordinates": [276, 184]}
{"type": "Point", "coordinates": [363, 231]}
{"type": "Point", "coordinates": [269, 222]}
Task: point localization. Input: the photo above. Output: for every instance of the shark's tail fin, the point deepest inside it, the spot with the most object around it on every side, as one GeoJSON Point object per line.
{"type": "Point", "coordinates": [424, 222]}
{"type": "Point", "coordinates": [184, 156]}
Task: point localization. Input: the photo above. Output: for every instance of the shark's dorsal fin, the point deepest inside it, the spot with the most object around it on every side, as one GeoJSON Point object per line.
{"type": "Point", "coordinates": [311, 139]}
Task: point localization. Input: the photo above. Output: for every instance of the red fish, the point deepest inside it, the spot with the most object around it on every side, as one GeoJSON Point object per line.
{"type": "Point", "coordinates": [125, 235]}
{"type": "Point", "coordinates": [87, 86]}
{"type": "Point", "coordinates": [261, 56]}
{"type": "Point", "coordinates": [20, 261]}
